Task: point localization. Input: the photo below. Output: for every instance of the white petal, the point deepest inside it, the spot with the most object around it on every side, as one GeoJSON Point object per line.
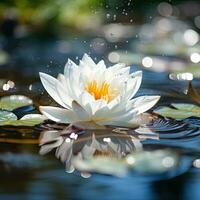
{"type": "Point", "coordinates": [101, 64]}
{"type": "Point", "coordinates": [50, 84]}
{"type": "Point", "coordinates": [72, 76]}
{"type": "Point", "coordinates": [119, 123]}
{"type": "Point", "coordinates": [133, 84]}
{"type": "Point", "coordinates": [63, 81]}
{"type": "Point", "coordinates": [126, 116]}
{"type": "Point", "coordinates": [101, 113]}
{"type": "Point", "coordinates": [97, 105]}
{"type": "Point", "coordinates": [123, 72]}
{"type": "Point", "coordinates": [136, 121]}
{"type": "Point", "coordinates": [69, 64]}
{"type": "Point", "coordinates": [58, 114]}
{"type": "Point", "coordinates": [144, 103]}
{"type": "Point", "coordinates": [116, 67]}
{"type": "Point", "coordinates": [80, 112]}
{"type": "Point", "coordinates": [63, 94]}
{"type": "Point", "coordinates": [87, 60]}
{"type": "Point", "coordinates": [121, 117]}
{"type": "Point", "coordinates": [86, 101]}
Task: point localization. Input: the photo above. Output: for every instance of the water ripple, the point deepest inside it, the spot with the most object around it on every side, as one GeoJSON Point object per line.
{"type": "Point", "coordinates": [181, 134]}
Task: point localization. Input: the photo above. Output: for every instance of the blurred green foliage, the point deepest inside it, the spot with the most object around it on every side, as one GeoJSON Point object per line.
{"type": "Point", "coordinates": [52, 15]}
{"type": "Point", "coordinates": [48, 13]}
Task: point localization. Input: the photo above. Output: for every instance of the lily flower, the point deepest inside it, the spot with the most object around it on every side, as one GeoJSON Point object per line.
{"type": "Point", "coordinates": [92, 95]}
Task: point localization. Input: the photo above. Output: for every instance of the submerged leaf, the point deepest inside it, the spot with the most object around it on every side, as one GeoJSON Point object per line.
{"type": "Point", "coordinates": [14, 101]}
{"type": "Point", "coordinates": [180, 111]}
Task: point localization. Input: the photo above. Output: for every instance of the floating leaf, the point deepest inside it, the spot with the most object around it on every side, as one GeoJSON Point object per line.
{"type": "Point", "coordinates": [102, 164]}
{"type": "Point", "coordinates": [6, 115]}
{"type": "Point", "coordinates": [27, 120]}
{"type": "Point", "coordinates": [14, 101]}
{"type": "Point", "coordinates": [194, 69]}
{"type": "Point", "coordinates": [187, 107]}
{"type": "Point", "coordinates": [180, 111]}
{"type": "Point", "coordinates": [157, 161]}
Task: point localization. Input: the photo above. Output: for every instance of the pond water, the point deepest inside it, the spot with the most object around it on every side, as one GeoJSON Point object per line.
{"type": "Point", "coordinates": [28, 173]}
{"type": "Point", "coordinates": [160, 160]}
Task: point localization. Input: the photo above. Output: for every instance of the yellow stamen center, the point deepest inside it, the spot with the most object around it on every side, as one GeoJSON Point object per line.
{"type": "Point", "coordinates": [100, 91]}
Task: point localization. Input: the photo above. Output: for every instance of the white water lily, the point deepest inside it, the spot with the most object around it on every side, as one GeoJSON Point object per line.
{"type": "Point", "coordinates": [92, 95]}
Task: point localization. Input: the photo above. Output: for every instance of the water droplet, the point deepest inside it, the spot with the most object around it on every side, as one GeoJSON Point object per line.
{"type": "Point", "coordinates": [67, 140]}
{"type": "Point", "coordinates": [195, 57]}
{"type": "Point", "coordinates": [147, 62]}
{"type": "Point", "coordinates": [196, 163]}
{"type": "Point", "coordinates": [30, 87]}
{"type": "Point", "coordinates": [113, 57]}
{"type": "Point", "coordinates": [107, 139]}
{"type": "Point", "coordinates": [191, 37]}
{"type": "Point", "coordinates": [6, 87]}
{"type": "Point", "coordinates": [11, 84]}
{"type": "Point", "coordinates": [85, 175]}
{"type": "Point", "coordinates": [107, 15]}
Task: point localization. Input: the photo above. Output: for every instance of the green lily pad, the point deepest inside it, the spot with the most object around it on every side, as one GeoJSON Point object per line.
{"type": "Point", "coordinates": [27, 120]}
{"type": "Point", "coordinates": [193, 69]}
{"type": "Point", "coordinates": [14, 101]}
{"type": "Point", "coordinates": [180, 111]}
{"type": "Point", "coordinates": [102, 165]}
{"type": "Point", "coordinates": [7, 116]}
{"type": "Point", "coordinates": [157, 161]}
{"type": "Point", "coordinates": [32, 119]}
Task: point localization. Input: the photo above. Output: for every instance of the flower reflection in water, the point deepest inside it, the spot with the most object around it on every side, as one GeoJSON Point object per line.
{"type": "Point", "coordinates": [75, 146]}
{"type": "Point", "coordinates": [116, 151]}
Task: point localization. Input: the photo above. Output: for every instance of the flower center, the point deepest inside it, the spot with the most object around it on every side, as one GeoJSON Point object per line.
{"type": "Point", "coordinates": [100, 91]}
